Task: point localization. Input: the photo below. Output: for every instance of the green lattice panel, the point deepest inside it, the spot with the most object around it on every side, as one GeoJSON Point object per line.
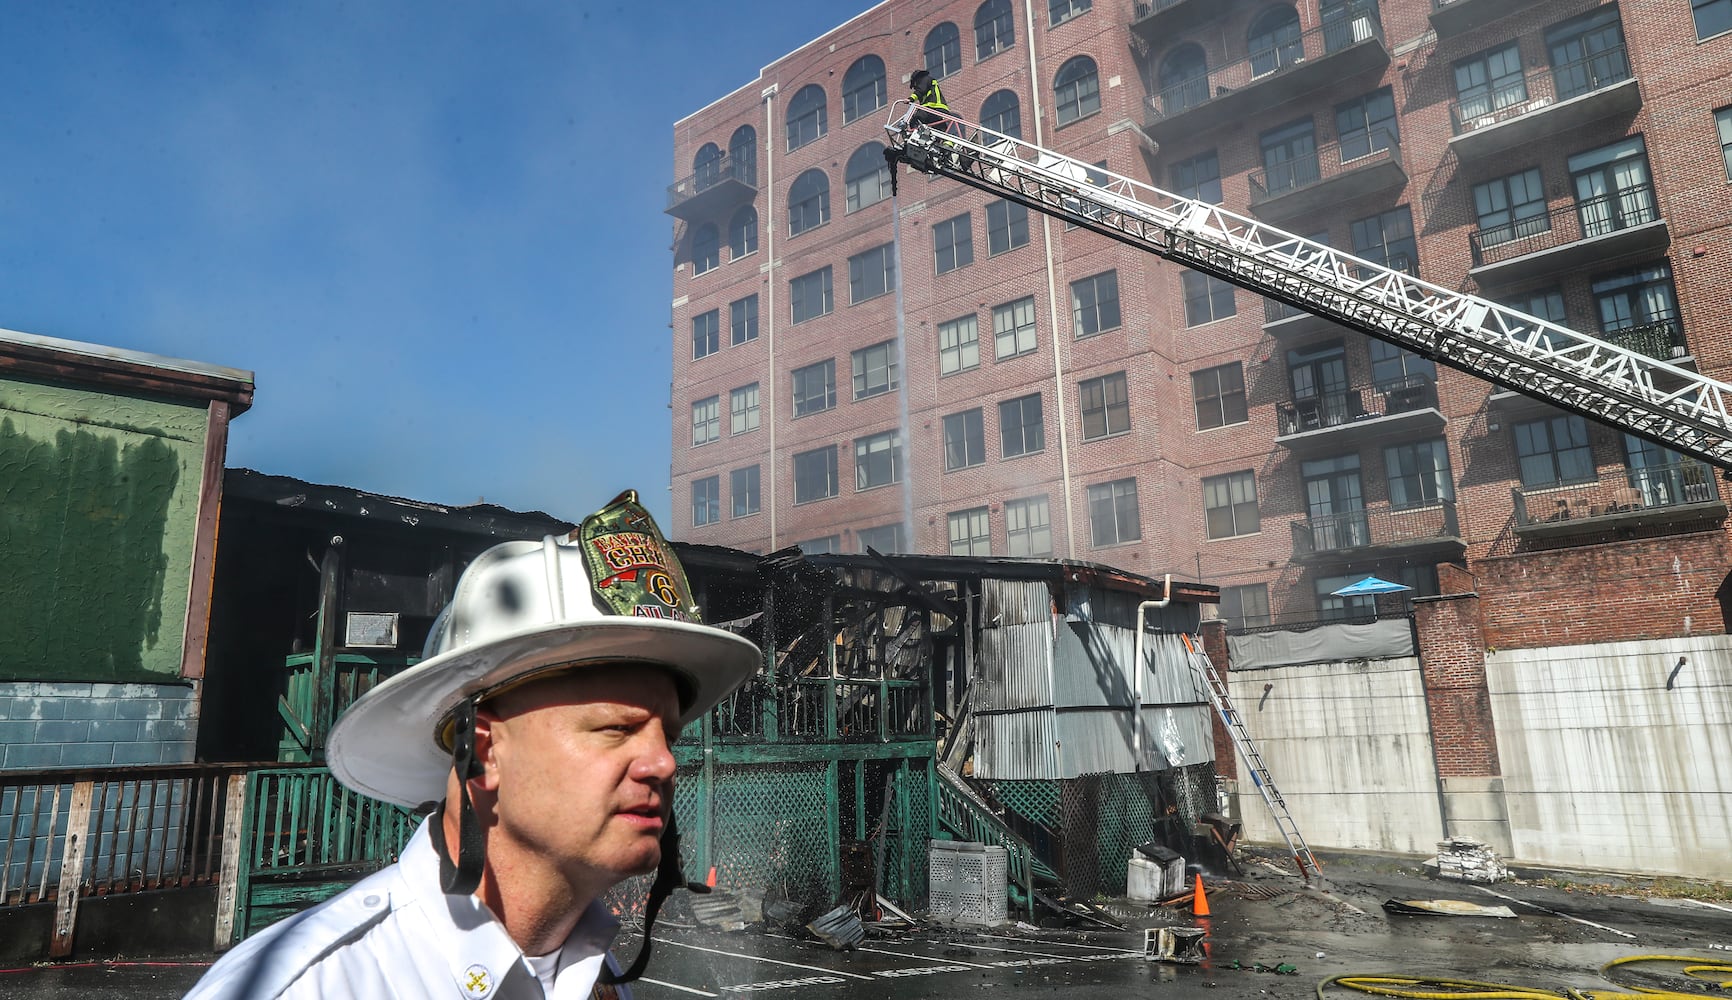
{"type": "Point", "coordinates": [905, 858]}
{"type": "Point", "coordinates": [1036, 801]}
{"type": "Point", "coordinates": [627, 899]}
{"type": "Point", "coordinates": [1127, 819]}
{"type": "Point", "coordinates": [772, 829]}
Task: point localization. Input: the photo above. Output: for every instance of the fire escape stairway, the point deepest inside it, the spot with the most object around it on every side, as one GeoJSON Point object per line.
{"type": "Point", "coordinates": [965, 815]}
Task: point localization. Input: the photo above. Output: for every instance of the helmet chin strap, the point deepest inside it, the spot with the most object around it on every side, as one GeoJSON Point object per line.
{"type": "Point", "coordinates": [669, 876]}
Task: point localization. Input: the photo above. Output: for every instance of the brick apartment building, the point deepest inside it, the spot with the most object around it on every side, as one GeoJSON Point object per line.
{"type": "Point", "coordinates": [1061, 394]}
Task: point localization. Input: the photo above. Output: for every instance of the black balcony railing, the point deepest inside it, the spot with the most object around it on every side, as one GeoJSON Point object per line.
{"type": "Point", "coordinates": [1377, 526]}
{"type": "Point", "coordinates": [1336, 409]}
{"type": "Point", "coordinates": [1538, 89]}
{"type": "Point", "coordinates": [711, 175]}
{"type": "Point", "coordinates": [1618, 494]}
{"type": "Point", "coordinates": [1326, 162]}
{"type": "Point", "coordinates": [1359, 25]}
{"type": "Point", "coordinates": [1558, 227]}
{"type": "Point", "coordinates": [1274, 311]}
{"type": "Point", "coordinates": [1661, 338]}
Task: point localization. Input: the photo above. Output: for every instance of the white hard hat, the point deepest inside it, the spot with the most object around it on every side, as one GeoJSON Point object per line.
{"type": "Point", "coordinates": [610, 592]}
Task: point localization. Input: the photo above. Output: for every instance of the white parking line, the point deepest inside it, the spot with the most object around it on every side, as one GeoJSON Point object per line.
{"type": "Point", "coordinates": [1100, 952]}
{"type": "Point", "coordinates": [1566, 916]}
{"type": "Point", "coordinates": [677, 986]}
{"type": "Point", "coordinates": [1059, 944]}
{"type": "Point", "coordinates": [923, 958]}
{"type": "Point", "coordinates": [1711, 906]}
{"type": "Point", "coordinates": [772, 961]}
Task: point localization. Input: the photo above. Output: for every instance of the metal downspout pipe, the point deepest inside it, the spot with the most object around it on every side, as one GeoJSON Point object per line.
{"type": "Point", "coordinates": [1137, 666]}
{"type": "Point", "coordinates": [767, 319]}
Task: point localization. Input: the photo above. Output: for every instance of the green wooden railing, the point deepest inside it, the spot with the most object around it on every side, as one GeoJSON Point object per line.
{"type": "Point", "coordinates": [963, 814]}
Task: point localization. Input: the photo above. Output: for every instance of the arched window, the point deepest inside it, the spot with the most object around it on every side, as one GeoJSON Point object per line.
{"type": "Point", "coordinates": [807, 116]}
{"type": "Point", "coordinates": [1002, 114]}
{"type": "Point", "coordinates": [706, 248]}
{"type": "Point", "coordinates": [862, 88]}
{"type": "Point", "coordinates": [706, 166]}
{"type": "Point", "coordinates": [1184, 79]}
{"type": "Point", "coordinates": [1064, 10]}
{"type": "Point", "coordinates": [868, 178]}
{"type": "Point", "coordinates": [743, 154]}
{"type": "Point", "coordinates": [943, 50]}
{"type": "Point", "coordinates": [1273, 40]}
{"type": "Point", "coordinates": [743, 233]}
{"type": "Point", "coordinates": [808, 202]}
{"type": "Point", "coordinates": [1076, 89]}
{"type": "Point", "coordinates": [994, 28]}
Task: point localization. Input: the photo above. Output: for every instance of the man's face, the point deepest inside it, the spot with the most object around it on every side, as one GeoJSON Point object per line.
{"type": "Point", "coordinates": [583, 771]}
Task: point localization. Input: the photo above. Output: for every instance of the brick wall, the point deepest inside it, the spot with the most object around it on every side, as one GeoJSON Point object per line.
{"type": "Point", "coordinates": [46, 725]}
{"type": "Point", "coordinates": [1215, 644]}
{"type": "Point", "coordinates": [1452, 667]}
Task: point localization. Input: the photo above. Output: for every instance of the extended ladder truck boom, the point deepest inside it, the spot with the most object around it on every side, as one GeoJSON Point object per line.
{"type": "Point", "coordinates": [1674, 407]}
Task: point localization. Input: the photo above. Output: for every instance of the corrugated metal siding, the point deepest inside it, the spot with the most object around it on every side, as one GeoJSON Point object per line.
{"type": "Point", "coordinates": [1191, 724]}
{"type": "Point", "coordinates": [1094, 741]}
{"type": "Point", "coordinates": [1015, 602]}
{"type": "Point", "coordinates": [1015, 745]}
{"type": "Point", "coordinates": [1011, 668]}
{"type": "Point", "coordinates": [1090, 666]}
{"type": "Point", "coordinates": [1170, 679]}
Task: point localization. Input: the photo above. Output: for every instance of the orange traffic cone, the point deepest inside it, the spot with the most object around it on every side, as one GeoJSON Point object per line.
{"type": "Point", "coordinates": [1199, 902]}
{"type": "Point", "coordinates": [711, 881]}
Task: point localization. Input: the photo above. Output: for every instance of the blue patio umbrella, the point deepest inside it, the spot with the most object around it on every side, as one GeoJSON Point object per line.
{"type": "Point", "coordinates": [1369, 585]}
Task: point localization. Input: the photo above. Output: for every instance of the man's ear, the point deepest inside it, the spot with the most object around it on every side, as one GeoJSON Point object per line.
{"type": "Point", "coordinates": [490, 732]}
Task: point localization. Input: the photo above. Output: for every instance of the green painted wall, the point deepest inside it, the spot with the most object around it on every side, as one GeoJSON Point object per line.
{"type": "Point", "coordinates": [98, 508]}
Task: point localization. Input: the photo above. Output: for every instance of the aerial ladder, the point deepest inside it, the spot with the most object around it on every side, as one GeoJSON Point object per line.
{"type": "Point", "coordinates": [1672, 406]}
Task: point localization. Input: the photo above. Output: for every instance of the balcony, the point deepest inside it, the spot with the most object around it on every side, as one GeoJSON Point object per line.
{"type": "Point", "coordinates": [1341, 421]}
{"type": "Point", "coordinates": [1452, 17]}
{"type": "Point", "coordinates": [1291, 324]}
{"type": "Point", "coordinates": [720, 184]}
{"type": "Point", "coordinates": [1378, 531]}
{"type": "Point", "coordinates": [1655, 495]}
{"type": "Point", "coordinates": [1544, 102]}
{"type": "Point", "coordinates": [1330, 175]}
{"type": "Point", "coordinates": [1158, 21]}
{"type": "Point", "coordinates": [1591, 233]}
{"type": "Point", "coordinates": [1229, 94]}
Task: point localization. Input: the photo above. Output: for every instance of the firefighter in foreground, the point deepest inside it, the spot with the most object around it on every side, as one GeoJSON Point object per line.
{"type": "Point", "coordinates": [540, 726]}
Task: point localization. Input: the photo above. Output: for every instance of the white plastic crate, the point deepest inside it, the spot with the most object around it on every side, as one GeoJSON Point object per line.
{"type": "Point", "coordinates": [1149, 881]}
{"type": "Point", "coordinates": [968, 883]}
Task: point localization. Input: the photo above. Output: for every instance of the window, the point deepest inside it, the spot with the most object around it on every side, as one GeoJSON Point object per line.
{"type": "Point", "coordinates": [872, 273]}
{"type": "Point", "coordinates": [1510, 208]}
{"type": "Point", "coordinates": [994, 28]}
{"type": "Point", "coordinates": [1394, 367]}
{"type": "Point", "coordinates": [1290, 156]}
{"type": "Point", "coordinates": [706, 500]}
{"type": "Point", "coordinates": [743, 320]}
{"type": "Point", "coordinates": [884, 538]}
{"type": "Point", "coordinates": [1002, 113]}
{"type": "Point", "coordinates": [810, 295]}
{"type": "Point", "coordinates": [1113, 515]}
{"type": "Point", "coordinates": [706, 420]}
{"type": "Point", "coordinates": [743, 487]}
{"type": "Point", "coordinates": [743, 154]}
{"type": "Point", "coordinates": [1418, 474]}
{"type": "Point", "coordinates": [1546, 304]}
{"type": "Point", "coordinates": [1094, 304]}
{"type": "Point", "coordinates": [876, 371]}
{"type": "Point", "coordinates": [1587, 53]}
{"type": "Point", "coordinates": [815, 474]}
{"type": "Point", "coordinates": [1006, 226]}
{"type": "Point", "coordinates": [1347, 22]}
{"type": "Point", "coordinates": [964, 440]}
{"type": "Point", "coordinates": [1333, 608]}
{"type": "Point", "coordinates": [868, 176]}
{"type": "Point", "coordinates": [1273, 40]}
{"type": "Point", "coordinates": [1198, 177]}
{"type": "Point", "coordinates": [1387, 239]}
{"type": "Point", "coordinates": [1106, 408]}
{"type": "Point", "coordinates": [1723, 121]}
{"type": "Point", "coordinates": [1488, 83]}
{"type": "Point", "coordinates": [808, 202]}
{"type": "Point", "coordinates": [970, 533]}
{"type": "Point", "coordinates": [807, 116]}
{"type": "Point", "coordinates": [1230, 504]}
{"type": "Point", "coordinates": [1639, 312]}
{"type": "Point", "coordinates": [1184, 79]}
{"type": "Point", "coordinates": [1335, 504]}
{"type": "Point", "coordinates": [1207, 298]}
{"type": "Point", "coordinates": [877, 460]}
{"type": "Point", "coordinates": [1019, 426]}
{"type": "Point", "coordinates": [743, 233]}
{"type": "Point", "coordinates": [814, 388]}
{"type": "Point", "coordinates": [1013, 328]}
{"type": "Point", "coordinates": [1713, 17]}
{"type": "Point", "coordinates": [862, 88]}
{"type": "Point", "coordinates": [706, 248]}
{"type": "Point", "coordinates": [743, 409]}
{"type": "Point", "coordinates": [706, 333]}
{"type": "Point", "coordinates": [958, 345]}
{"type": "Point", "coordinates": [943, 50]}
{"type": "Point", "coordinates": [1366, 124]}
{"type": "Point", "coordinates": [1027, 531]}
{"type": "Point", "coordinates": [706, 166]}
{"type": "Point", "coordinates": [1063, 10]}
{"type": "Point", "coordinates": [1220, 396]}
{"type": "Point", "coordinates": [828, 545]}
{"type": "Point", "coordinates": [1245, 606]}
{"type": "Point", "coordinates": [1613, 190]}
{"type": "Point", "coordinates": [1076, 89]}
{"type": "Point", "coordinates": [1554, 450]}
{"type": "Point", "coordinates": [953, 243]}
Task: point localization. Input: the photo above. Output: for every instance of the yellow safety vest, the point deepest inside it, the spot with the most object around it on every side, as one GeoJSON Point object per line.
{"type": "Point", "coordinates": [933, 98]}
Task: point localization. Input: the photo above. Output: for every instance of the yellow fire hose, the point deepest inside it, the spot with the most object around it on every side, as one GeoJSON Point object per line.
{"type": "Point", "coordinates": [1702, 970]}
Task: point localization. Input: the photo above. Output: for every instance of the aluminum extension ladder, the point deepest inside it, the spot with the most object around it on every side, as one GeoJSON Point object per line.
{"type": "Point", "coordinates": [1216, 687]}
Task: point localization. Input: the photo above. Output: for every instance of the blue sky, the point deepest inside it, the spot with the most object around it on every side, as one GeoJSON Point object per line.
{"type": "Point", "coordinates": [433, 230]}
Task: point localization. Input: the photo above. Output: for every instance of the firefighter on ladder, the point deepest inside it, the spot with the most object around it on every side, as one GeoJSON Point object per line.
{"type": "Point", "coordinates": [924, 99]}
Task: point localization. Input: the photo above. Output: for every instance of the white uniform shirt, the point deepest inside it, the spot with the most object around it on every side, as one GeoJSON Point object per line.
{"type": "Point", "coordinates": [396, 934]}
